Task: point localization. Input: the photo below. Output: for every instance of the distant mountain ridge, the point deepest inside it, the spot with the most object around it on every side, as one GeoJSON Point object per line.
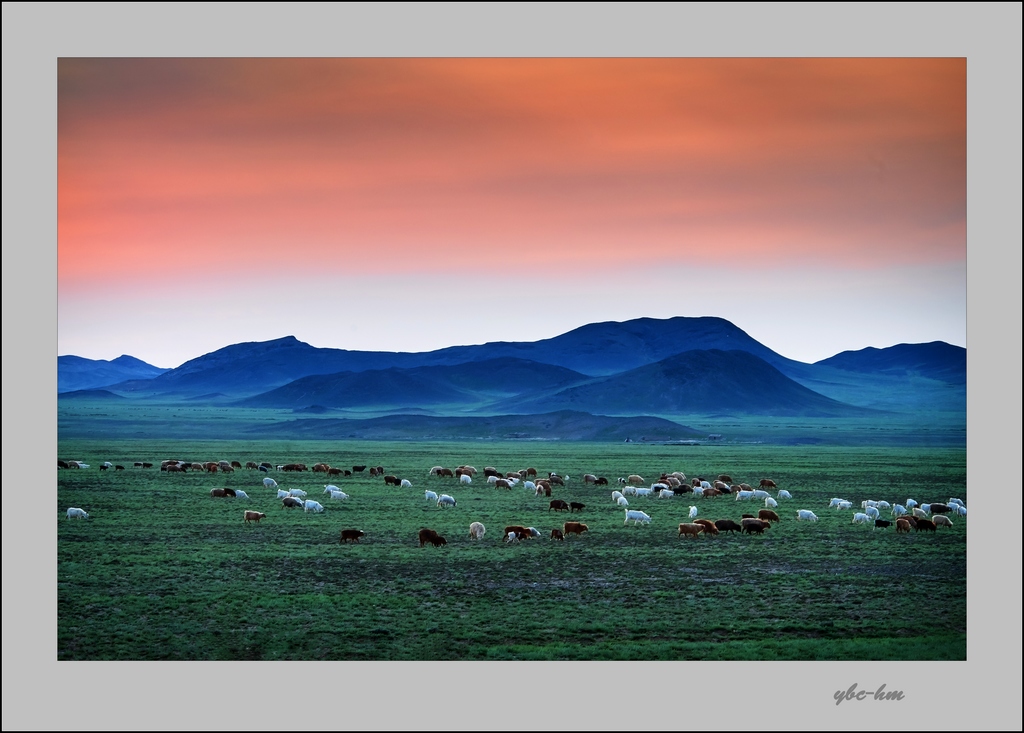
{"type": "Point", "coordinates": [78, 373]}
{"type": "Point", "coordinates": [632, 367]}
{"type": "Point", "coordinates": [934, 360]}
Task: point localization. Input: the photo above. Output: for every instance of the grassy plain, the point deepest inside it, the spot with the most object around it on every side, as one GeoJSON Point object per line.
{"type": "Point", "coordinates": [161, 570]}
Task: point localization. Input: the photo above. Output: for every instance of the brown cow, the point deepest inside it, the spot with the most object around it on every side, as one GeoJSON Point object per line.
{"type": "Point", "coordinates": [767, 515]}
{"type": "Point", "coordinates": [351, 535]}
{"type": "Point", "coordinates": [574, 528]}
{"type": "Point", "coordinates": [254, 516]}
{"type": "Point", "coordinates": [556, 534]}
{"type": "Point", "coordinates": [690, 530]}
{"type": "Point", "coordinates": [558, 505]}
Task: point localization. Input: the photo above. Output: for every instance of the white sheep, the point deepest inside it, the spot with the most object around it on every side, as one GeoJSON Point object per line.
{"type": "Point", "coordinates": [445, 500]}
{"type": "Point", "coordinates": [477, 530]}
{"type": "Point", "coordinates": [806, 514]}
{"type": "Point", "coordinates": [860, 518]}
{"type": "Point", "coordinates": [430, 496]}
{"type": "Point", "coordinates": [770, 503]}
{"type": "Point", "coordinates": [872, 512]}
{"type": "Point", "coordinates": [77, 513]}
{"type": "Point", "coordinates": [465, 479]}
{"type": "Point", "coordinates": [621, 501]}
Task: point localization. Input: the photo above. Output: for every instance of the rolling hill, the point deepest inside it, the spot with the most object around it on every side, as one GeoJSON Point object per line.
{"type": "Point", "coordinates": [77, 373]}
{"type": "Point", "coordinates": [699, 381]}
{"type": "Point", "coordinates": [469, 383]}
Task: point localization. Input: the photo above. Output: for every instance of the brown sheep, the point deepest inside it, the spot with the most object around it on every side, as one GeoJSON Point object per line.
{"type": "Point", "coordinates": [254, 516]}
{"type": "Point", "coordinates": [429, 535]}
{"type": "Point", "coordinates": [767, 483]}
{"type": "Point", "coordinates": [754, 526]}
{"type": "Point", "coordinates": [902, 525]}
{"type": "Point", "coordinates": [767, 515]}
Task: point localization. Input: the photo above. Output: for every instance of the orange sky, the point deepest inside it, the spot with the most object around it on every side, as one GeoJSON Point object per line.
{"type": "Point", "coordinates": [412, 165]}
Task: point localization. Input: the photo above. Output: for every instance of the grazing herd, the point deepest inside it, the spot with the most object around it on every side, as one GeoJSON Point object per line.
{"type": "Point", "coordinates": [906, 517]}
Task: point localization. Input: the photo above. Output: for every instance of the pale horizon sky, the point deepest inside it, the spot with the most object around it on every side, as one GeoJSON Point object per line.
{"type": "Point", "coordinates": [412, 204]}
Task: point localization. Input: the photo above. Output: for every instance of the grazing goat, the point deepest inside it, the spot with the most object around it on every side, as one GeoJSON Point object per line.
{"type": "Point", "coordinates": [476, 531]}
{"type": "Point", "coordinates": [77, 513]}
{"type": "Point", "coordinates": [806, 514]}
{"type": "Point", "coordinates": [254, 517]}
{"type": "Point", "coordinates": [638, 517]}
{"type": "Point", "coordinates": [445, 500]}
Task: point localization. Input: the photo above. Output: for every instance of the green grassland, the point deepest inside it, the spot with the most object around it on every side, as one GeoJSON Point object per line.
{"type": "Point", "coordinates": [161, 570]}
